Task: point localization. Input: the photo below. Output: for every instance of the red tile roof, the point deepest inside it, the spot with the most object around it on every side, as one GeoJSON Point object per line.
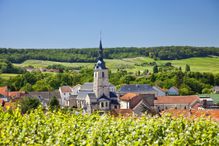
{"type": "Point", "coordinates": [129, 96]}
{"type": "Point", "coordinates": [14, 94]}
{"type": "Point", "coordinates": [214, 114]}
{"type": "Point", "coordinates": [4, 90]}
{"type": "Point", "coordinates": [65, 89]}
{"type": "Point", "coordinates": [176, 99]}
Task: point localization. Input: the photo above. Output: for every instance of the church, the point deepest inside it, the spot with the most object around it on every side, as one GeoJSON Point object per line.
{"type": "Point", "coordinates": [97, 95]}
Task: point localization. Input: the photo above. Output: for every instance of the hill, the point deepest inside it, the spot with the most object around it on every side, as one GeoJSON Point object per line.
{"type": "Point", "coordinates": [90, 54]}
{"type": "Point", "coordinates": [197, 64]}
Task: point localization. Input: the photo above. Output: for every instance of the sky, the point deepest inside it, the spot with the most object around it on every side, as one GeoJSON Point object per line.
{"type": "Point", "coordinates": [123, 23]}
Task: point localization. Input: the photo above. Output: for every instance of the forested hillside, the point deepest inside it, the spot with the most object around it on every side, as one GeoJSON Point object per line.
{"type": "Point", "coordinates": [90, 54]}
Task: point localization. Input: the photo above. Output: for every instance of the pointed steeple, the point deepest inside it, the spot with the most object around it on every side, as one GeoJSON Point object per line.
{"type": "Point", "coordinates": [100, 57]}
{"type": "Point", "coordinates": [100, 62]}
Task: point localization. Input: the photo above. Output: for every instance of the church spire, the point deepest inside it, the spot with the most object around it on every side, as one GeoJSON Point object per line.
{"type": "Point", "coordinates": [100, 62]}
{"type": "Point", "coordinates": [100, 57]}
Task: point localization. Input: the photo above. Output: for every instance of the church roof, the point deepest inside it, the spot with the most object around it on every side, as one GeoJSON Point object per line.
{"type": "Point", "coordinates": [91, 95]}
{"type": "Point", "coordinates": [87, 87]}
{"type": "Point", "coordinates": [136, 88]}
{"type": "Point", "coordinates": [114, 101]}
{"type": "Point", "coordinates": [103, 97]}
{"type": "Point", "coordinates": [82, 95]}
{"type": "Point", "coordinates": [113, 94]}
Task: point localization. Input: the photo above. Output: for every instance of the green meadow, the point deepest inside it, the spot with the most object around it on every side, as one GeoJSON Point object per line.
{"type": "Point", "coordinates": [199, 64]}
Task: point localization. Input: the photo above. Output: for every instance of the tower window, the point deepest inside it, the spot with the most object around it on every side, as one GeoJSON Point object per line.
{"type": "Point", "coordinates": [103, 74]}
{"type": "Point", "coordinates": [102, 105]}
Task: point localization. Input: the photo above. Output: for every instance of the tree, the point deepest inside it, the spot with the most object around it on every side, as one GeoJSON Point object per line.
{"type": "Point", "coordinates": [155, 69]}
{"type": "Point", "coordinates": [187, 68]}
{"type": "Point", "coordinates": [206, 91]}
{"type": "Point", "coordinates": [27, 104]}
{"type": "Point", "coordinates": [27, 88]}
{"type": "Point", "coordinates": [54, 103]}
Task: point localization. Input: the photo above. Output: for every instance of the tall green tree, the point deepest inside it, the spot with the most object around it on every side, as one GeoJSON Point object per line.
{"type": "Point", "coordinates": [155, 69]}
{"type": "Point", "coordinates": [187, 69]}
{"type": "Point", "coordinates": [54, 103]}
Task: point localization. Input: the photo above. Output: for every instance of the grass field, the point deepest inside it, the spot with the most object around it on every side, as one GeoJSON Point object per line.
{"type": "Point", "coordinates": [200, 64]}
{"type": "Point", "coordinates": [7, 76]}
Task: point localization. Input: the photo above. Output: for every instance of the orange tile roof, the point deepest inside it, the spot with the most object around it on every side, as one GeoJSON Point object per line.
{"type": "Point", "coordinates": [4, 90]}
{"type": "Point", "coordinates": [65, 89]}
{"type": "Point", "coordinates": [176, 99]}
{"type": "Point", "coordinates": [14, 94]}
{"type": "Point", "coordinates": [214, 114]}
{"type": "Point", "coordinates": [128, 96]}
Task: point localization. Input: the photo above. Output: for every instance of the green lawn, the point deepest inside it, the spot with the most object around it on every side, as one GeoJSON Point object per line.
{"type": "Point", "coordinates": [199, 64]}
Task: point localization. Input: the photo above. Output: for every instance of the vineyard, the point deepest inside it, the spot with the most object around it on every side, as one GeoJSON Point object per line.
{"type": "Point", "coordinates": [68, 128]}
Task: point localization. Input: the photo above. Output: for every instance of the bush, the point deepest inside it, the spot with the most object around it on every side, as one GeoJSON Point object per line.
{"type": "Point", "coordinates": [27, 104]}
{"type": "Point", "coordinates": [54, 103]}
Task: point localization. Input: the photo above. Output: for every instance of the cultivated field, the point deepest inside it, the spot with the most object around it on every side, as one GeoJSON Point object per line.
{"type": "Point", "coordinates": [200, 64]}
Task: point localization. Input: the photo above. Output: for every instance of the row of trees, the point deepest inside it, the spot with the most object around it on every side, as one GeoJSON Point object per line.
{"type": "Point", "coordinates": [7, 67]}
{"type": "Point", "coordinates": [90, 55]}
{"type": "Point", "coordinates": [188, 82]}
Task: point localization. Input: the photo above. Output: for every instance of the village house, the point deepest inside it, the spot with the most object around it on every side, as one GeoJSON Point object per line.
{"type": "Point", "coordinates": [176, 102]}
{"type": "Point", "coordinates": [209, 101]}
{"type": "Point", "coordinates": [97, 95]}
{"type": "Point", "coordinates": [138, 103]}
{"type": "Point", "coordinates": [173, 91]}
{"type": "Point", "coordinates": [216, 89]}
{"type": "Point", "coordinates": [160, 91]}
{"type": "Point", "coordinates": [7, 95]}
{"type": "Point", "coordinates": [44, 96]}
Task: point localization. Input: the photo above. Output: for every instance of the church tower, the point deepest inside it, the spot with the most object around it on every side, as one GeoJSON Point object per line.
{"type": "Point", "coordinates": [101, 79]}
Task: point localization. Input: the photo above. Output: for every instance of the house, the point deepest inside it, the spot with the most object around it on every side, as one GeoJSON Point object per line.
{"type": "Point", "coordinates": [210, 101]}
{"type": "Point", "coordinates": [160, 91]}
{"type": "Point", "coordinates": [176, 102]}
{"type": "Point", "coordinates": [193, 113]}
{"type": "Point", "coordinates": [216, 89]}
{"type": "Point", "coordinates": [7, 95]}
{"type": "Point", "coordinates": [4, 91]}
{"type": "Point", "coordinates": [173, 91]}
{"type": "Point", "coordinates": [97, 95]}
{"type": "Point", "coordinates": [65, 93]}
{"type": "Point", "coordinates": [136, 88]}
{"type": "Point", "coordinates": [4, 98]}
{"type": "Point", "coordinates": [44, 96]}
{"type": "Point", "coordinates": [138, 103]}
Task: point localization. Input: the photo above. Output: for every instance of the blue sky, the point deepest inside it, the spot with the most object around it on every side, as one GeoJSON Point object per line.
{"type": "Point", "coordinates": [77, 23]}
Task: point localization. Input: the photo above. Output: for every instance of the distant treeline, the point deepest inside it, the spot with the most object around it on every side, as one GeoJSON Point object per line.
{"type": "Point", "coordinates": [90, 55]}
